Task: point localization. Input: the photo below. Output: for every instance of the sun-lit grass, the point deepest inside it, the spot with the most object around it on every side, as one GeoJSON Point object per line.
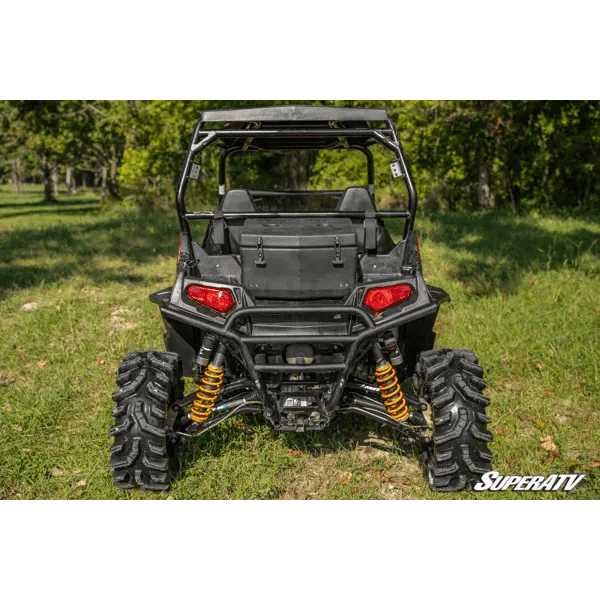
{"type": "Point", "coordinates": [74, 285]}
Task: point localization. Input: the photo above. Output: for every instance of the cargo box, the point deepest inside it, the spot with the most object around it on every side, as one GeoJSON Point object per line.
{"type": "Point", "coordinates": [298, 258]}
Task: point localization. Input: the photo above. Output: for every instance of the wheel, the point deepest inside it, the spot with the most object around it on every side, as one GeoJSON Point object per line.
{"type": "Point", "coordinates": [451, 382]}
{"type": "Point", "coordinates": [144, 455]}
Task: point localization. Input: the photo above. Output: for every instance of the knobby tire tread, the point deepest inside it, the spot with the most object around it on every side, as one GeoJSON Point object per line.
{"type": "Point", "coordinates": [142, 454]}
{"type": "Point", "coordinates": [451, 381]}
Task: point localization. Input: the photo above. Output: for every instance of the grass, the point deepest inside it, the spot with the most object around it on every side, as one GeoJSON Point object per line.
{"type": "Point", "coordinates": [74, 283]}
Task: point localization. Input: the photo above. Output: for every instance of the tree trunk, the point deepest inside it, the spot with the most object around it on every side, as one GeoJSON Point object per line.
{"type": "Point", "coordinates": [588, 185]}
{"type": "Point", "coordinates": [450, 201]}
{"type": "Point", "coordinates": [546, 198]}
{"type": "Point", "coordinates": [512, 197]}
{"type": "Point", "coordinates": [46, 177]}
{"type": "Point", "coordinates": [517, 198]}
{"type": "Point", "coordinates": [70, 181]}
{"type": "Point", "coordinates": [112, 180]}
{"type": "Point", "coordinates": [510, 189]}
{"type": "Point", "coordinates": [486, 199]}
{"type": "Point", "coordinates": [104, 178]}
{"type": "Point", "coordinates": [54, 177]}
{"type": "Point", "coordinates": [15, 163]}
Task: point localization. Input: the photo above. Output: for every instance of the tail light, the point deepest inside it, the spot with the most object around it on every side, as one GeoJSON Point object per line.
{"type": "Point", "coordinates": [379, 298]}
{"type": "Point", "coordinates": [219, 299]}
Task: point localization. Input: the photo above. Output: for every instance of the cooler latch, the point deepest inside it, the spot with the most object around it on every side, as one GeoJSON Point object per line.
{"type": "Point", "coordinates": [338, 261]}
{"type": "Point", "coordinates": [260, 262]}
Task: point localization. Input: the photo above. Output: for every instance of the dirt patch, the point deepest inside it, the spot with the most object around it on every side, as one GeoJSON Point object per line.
{"type": "Point", "coordinates": [6, 379]}
{"type": "Point", "coordinates": [120, 319]}
{"type": "Point", "coordinates": [507, 385]}
{"type": "Point", "coordinates": [367, 469]}
{"type": "Point", "coordinates": [30, 306]}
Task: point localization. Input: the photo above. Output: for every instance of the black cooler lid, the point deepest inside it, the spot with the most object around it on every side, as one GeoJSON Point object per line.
{"type": "Point", "coordinates": [298, 233]}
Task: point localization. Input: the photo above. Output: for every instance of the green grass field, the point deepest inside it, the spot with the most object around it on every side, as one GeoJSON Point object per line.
{"type": "Point", "coordinates": [74, 287]}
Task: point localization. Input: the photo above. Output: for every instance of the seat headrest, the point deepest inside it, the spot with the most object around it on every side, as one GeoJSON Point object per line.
{"type": "Point", "coordinates": [356, 199]}
{"type": "Point", "coordinates": [238, 200]}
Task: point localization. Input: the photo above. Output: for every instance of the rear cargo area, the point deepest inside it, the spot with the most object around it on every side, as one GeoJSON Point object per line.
{"type": "Point", "coordinates": [298, 258]}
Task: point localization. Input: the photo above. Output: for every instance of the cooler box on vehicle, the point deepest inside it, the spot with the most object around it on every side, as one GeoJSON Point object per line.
{"type": "Point", "coordinates": [298, 258]}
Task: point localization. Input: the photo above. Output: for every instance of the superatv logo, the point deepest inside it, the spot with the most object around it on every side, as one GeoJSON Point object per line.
{"type": "Point", "coordinates": [494, 482]}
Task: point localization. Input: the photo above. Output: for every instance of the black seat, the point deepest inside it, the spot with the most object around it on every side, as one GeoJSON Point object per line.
{"type": "Point", "coordinates": [237, 200]}
{"type": "Point", "coordinates": [356, 198]}
{"type": "Point", "coordinates": [359, 199]}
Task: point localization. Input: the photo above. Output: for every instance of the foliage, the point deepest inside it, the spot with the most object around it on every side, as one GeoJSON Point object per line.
{"type": "Point", "coordinates": [64, 134]}
{"type": "Point", "coordinates": [541, 154]}
{"type": "Point", "coordinates": [524, 155]}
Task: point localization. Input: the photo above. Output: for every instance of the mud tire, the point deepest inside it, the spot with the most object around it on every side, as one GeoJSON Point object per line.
{"type": "Point", "coordinates": [144, 453]}
{"type": "Point", "coordinates": [451, 382]}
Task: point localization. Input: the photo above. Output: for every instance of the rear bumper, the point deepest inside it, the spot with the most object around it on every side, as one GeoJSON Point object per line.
{"type": "Point", "coordinates": [361, 332]}
{"type": "Point", "coordinates": [366, 329]}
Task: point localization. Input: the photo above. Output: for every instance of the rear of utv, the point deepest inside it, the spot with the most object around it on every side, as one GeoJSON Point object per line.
{"type": "Point", "coordinates": [299, 314]}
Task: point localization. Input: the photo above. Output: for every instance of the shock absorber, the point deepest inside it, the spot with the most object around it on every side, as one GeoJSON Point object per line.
{"type": "Point", "coordinates": [210, 386]}
{"type": "Point", "coordinates": [392, 395]}
{"type": "Point", "coordinates": [389, 388]}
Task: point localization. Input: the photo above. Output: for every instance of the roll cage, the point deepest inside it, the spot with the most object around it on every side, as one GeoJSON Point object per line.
{"type": "Point", "coordinates": [293, 128]}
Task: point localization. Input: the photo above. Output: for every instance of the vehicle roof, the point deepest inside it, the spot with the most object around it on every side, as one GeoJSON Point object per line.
{"type": "Point", "coordinates": [295, 114]}
{"type": "Point", "coordinates": [280, 119]}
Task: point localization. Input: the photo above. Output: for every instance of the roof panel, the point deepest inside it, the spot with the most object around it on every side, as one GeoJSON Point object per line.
{"type": "Point", "coordinates": [294, 113]}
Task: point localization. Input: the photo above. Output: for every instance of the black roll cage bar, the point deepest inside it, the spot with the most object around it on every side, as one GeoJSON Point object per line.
{"type": "Point", "coordinates": [202, 138]}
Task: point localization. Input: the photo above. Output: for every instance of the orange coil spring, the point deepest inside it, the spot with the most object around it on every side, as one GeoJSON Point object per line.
{"type": "Point", "coordinates": [391, 393]}
{"type": "Point", "coordinates": [207, 394]}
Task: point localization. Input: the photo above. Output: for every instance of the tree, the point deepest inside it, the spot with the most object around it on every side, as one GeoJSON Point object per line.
{"type": "Point", "coordinates": [463, 154]}
{"type": "Point", "coordinates": [51, 131]}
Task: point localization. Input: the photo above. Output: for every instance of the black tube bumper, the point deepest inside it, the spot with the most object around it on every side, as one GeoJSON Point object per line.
{"type": "Point", "coordinates": [370, 331]}
{"type": "Point", "coordinates": [365, 329]}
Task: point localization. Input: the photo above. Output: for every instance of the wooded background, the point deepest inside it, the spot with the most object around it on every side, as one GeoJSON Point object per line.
{"type": "Point", "coordinates": [522, 155]}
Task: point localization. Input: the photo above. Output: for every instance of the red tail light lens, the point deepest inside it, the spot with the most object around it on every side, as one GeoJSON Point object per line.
{"type": "Point", "coordinates": [380, 298]}
{"type": "Point", "coordinates": [219, 299]}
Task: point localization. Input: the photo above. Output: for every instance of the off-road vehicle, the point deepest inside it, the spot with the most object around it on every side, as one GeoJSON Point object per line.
{"type": "Point", "coordinates": [297, 314]}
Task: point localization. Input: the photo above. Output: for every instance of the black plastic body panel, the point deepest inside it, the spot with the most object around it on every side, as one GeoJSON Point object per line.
{"type": "Point", "coordinates": [418, 336]}
{"type": "Point", "coordinates": [184, 341]}
{"type": "Point", "coordinates": [438, 294]}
